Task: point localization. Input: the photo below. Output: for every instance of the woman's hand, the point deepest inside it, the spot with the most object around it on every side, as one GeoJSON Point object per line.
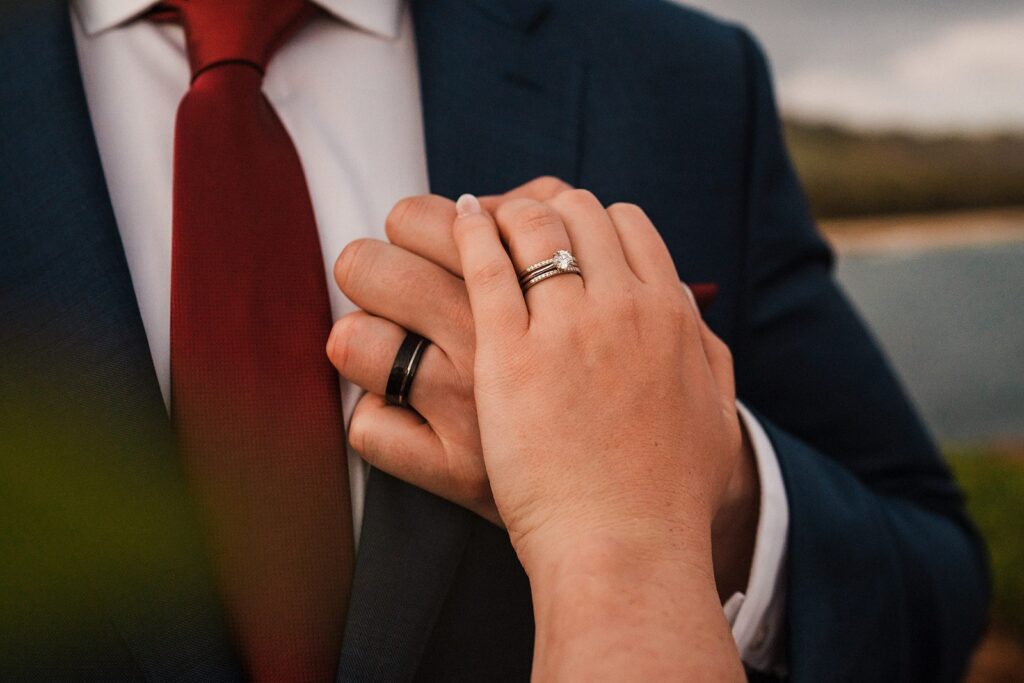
{"type": "Point", "coordinates": [599, 409]}
{"type": "Point", "coordinates": [610, 434]}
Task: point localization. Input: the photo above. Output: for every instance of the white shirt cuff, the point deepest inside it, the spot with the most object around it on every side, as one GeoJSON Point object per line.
{"type": "Point", "coordinates": [757, 615]}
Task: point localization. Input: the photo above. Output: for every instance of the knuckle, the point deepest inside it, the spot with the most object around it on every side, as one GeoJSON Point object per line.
{"type": "Point", "coordinates": [548, 186]}
{"type": "Point", "coordinates": [487, 274]}
{"type": "Point", "coordinates": [359, 435]}
{"type": "Point", "coordinates": [345, 330]}
{"type": "Point", "coordinates": [397, 216]}
{"type": "Point", "coordinates": [622, 303]}
{"type": "Point", "coordinates": [684, 322]}
{"type": "Point", "coordinates": [351, 263]}
{"type": "Point", "coordinates": [631, 311]}
{"type": "Point", "coordinates": [409, 211]}
{"type": "Point", "coordinates": [628, 313]}
{"type": "Point", "coordinates": [722, 350]}
{"type": "Point", "coordinates": [727, 357]}
{"type": "Point", "coordinates": [678, 306]}
{"type": "Point", "coordinates": [338, 352]}
{"type": "Point", "coordinates": [534, 218]}
{"type": "Point", "coordinates": [626, 210]}
{"type": "Point", "coordinates": [576, 198]}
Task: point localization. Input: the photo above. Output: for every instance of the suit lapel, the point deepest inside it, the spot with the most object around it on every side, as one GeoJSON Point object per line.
{"type": "Point", "coordinates": [501, 106]}
{"type": "Point", "coordinates": [79, 357]}
{"type": "Point", "coordinates": [502, 96]}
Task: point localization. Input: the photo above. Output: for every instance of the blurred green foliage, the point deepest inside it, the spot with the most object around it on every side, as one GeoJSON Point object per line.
{"type": "Point", "coordinates": [849, 173]}
{"type": "Point", "coordinates": [95, 521]}
{"type": "Point", "coordinates": [994, 483]}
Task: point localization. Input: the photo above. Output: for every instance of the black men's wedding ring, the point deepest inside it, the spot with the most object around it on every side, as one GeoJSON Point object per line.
{"type": "Point", "coordinates": [403, 370]}
{"type": "Point", "coordinates": [560, 263]}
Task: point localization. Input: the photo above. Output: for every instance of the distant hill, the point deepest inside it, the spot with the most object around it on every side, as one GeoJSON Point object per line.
{"type": "Point", "coordinates": [852, 173]}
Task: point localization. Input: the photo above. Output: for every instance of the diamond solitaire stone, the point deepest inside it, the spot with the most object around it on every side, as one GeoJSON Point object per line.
{"type": "Point", "coordinates": [562, 260]}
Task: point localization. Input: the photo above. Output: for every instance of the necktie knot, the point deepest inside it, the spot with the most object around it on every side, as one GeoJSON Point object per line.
{"type": "Point", "coordinates": [232, 31]}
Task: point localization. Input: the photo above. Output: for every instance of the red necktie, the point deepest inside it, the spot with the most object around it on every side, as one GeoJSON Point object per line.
{"type": "Point", "coordinates": [256, 405]}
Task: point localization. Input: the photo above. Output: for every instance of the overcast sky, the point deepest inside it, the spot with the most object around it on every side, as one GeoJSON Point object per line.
{"type": "Point", "coordinates": [933, 64]}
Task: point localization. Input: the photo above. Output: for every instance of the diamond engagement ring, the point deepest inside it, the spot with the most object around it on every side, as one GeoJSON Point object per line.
{"type": "Point", "coordinates": [560, 263]}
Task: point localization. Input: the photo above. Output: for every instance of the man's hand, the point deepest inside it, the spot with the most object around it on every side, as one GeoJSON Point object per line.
{"type": "Point", "coordinates": [416, 284]}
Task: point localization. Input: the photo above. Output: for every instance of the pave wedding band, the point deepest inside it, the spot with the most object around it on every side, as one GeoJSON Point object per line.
{"type": "Point", "coordinates": [560, 263]}
{"type": "Point", "coordinates": [403, 370]}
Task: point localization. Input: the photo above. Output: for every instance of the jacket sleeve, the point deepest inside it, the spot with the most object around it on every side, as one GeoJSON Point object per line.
{"type": "Point", "coordinates": [886, 577]}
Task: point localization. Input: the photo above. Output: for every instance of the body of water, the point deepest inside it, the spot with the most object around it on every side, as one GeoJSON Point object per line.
{"type": "Point", "coordinates": [952, 323]}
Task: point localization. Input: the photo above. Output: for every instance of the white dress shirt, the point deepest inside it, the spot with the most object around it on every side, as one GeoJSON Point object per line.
{"type": "Point", "coordinates": [346, 87]}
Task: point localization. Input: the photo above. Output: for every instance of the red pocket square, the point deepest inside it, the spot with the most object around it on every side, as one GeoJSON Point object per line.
{"type": "Point", "coordinates": [704, 293]}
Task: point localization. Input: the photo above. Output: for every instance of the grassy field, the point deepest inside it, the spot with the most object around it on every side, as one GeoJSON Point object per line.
{"type": "Point", "coordinates": [849, 173]}
{"type": "Point", "coordinates": [994, 482]}
{"type": "Point", "coordinates": [993, 479]}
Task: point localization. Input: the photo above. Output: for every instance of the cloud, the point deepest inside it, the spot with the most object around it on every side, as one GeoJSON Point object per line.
{"type": "Point", "coordinates": [969, 75]}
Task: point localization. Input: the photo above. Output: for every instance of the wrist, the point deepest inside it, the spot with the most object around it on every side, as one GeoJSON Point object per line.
{"type": "Point", "coordinates": [734, 528]}
{"type": "Point", "coordinates": [617, 557]}
{"type": "Point", "coordinates": [611, 604]}
{"type": "Point", "coordinates": [622, 546]}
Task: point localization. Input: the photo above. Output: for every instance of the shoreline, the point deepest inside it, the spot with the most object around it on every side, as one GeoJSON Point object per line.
{"type": "Point", "coordinates": [924, 232]}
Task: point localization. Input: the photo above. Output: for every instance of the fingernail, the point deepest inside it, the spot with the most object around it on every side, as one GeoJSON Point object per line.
{"type": "Point", "coordinates": [467, 205]}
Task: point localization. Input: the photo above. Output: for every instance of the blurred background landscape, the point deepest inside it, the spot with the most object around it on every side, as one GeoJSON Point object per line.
{"type": "Point", "coordinates": [905, 121]}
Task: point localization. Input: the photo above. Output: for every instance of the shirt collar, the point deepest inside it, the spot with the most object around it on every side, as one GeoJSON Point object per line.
{"type": "Point", "coordinates": [382, 17]}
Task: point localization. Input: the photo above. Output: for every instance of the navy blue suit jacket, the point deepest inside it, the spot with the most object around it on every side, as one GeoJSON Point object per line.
{"type": "Point", "coordinates": [102, 571]}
